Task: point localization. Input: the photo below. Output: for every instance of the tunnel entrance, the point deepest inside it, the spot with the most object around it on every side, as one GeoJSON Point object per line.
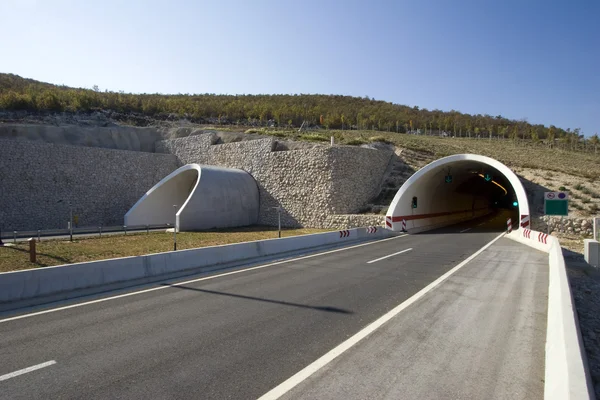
{"type": "Point", "coordinates": [199, 197]}
{"type": "Point", "coordinates": [457, 188]}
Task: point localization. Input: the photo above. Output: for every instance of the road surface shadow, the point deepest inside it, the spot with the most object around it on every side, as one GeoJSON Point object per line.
{"type": "Point", "coordinates": [239, 296]}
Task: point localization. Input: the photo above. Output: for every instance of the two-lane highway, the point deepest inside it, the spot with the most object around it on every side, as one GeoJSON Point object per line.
{"type": "Point", "coordinates": [228, 335]}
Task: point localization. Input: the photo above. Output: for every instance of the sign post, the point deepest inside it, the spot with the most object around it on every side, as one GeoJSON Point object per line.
{"type": "Point", "coordinates": [556, 203]}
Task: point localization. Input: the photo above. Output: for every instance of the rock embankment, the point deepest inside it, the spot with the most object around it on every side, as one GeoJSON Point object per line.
{"type": "Point", "coordinates": [574, 226]}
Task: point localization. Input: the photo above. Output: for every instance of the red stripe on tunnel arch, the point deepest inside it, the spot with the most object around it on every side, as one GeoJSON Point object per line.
{"type": "Point", "coordinates": [433, 215]}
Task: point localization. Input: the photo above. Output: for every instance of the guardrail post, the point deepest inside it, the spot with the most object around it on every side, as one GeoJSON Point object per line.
{"type": "Point", "coordinates": [32, 250]}
{"type": "Point", "coordinates": [15, 237]}
{"type": "Point", "coordinates": [125, 229]}
{"type": "Point", "coordinates": [39, 235]}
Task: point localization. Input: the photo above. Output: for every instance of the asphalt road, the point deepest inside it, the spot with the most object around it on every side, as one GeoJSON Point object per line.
{"type": "Point", "coordinates": [480, 334]}
{"type": "Point", "coordinates": [234, 336]}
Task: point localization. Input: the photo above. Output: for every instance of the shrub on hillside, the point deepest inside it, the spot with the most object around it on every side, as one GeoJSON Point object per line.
{"type": "Point", "coordinates": [356, 142]}
{"type": "Point", "coordinates": [379, 139]}
{"type": "Point", "coordinates": [312, 137]}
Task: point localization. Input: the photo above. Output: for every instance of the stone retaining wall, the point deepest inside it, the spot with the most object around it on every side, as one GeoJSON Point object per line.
{"type": "Point", "coordinates": [576, 226]}
{"type": "Point", "coordinates": [352, 221]}
{"type": "Point", "coordinates": [309, 184]}
{"type": "Point", "coordinates": [102, 183]}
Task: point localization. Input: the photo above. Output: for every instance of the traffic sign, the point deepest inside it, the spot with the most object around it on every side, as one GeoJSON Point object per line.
{"type": "Point", "coordinates": [556, 203]}
{"type": "Point", "coordinates": [487, 177]}
{"type": "Point", "coordinates": [448, 178]}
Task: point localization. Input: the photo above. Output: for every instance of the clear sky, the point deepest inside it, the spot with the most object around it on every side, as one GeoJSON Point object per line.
{"type": "Point", "coordinates": [534, 59]}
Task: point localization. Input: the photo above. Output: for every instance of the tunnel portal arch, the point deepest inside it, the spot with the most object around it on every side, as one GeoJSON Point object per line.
{"type": "Point", "coordinates": [467, 195]}
{"type": "Point", "coordinates": [204, 196]}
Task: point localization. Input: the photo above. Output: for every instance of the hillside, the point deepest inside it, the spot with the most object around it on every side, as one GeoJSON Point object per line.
{"type": "Point", "coordinates": [566, 163]}
{"type": "Point", "coordinates": [283, 111]}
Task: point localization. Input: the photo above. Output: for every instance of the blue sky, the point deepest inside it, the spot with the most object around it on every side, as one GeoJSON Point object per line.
{"type": "Point", "coordinates": [531, 59]}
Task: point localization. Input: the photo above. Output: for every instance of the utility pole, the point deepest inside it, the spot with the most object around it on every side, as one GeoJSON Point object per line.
{"type": "Point", "coordinates": [175, 229]}
{"type": "Point", "coordinates": [278, 219]}
{"type": "Point", "coordinates": [70, 221]}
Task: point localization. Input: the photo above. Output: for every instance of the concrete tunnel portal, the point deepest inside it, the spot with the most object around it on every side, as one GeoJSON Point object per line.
{"type": "Point", "coordinates": [457, 188]}
{"type": "Point", "coordinates": [199, 197]}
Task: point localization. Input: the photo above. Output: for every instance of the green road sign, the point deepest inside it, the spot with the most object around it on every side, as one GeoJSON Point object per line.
{"type": "Point", "coordinates": [488, 177]}
{"type": "Point", "coordinates": [448, 178]}
{"type": "Point", "coordinates": [556, 203]}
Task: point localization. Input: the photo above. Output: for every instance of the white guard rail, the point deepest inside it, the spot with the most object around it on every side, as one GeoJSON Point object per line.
{"type": "Point", "coordinates": [566, 374]}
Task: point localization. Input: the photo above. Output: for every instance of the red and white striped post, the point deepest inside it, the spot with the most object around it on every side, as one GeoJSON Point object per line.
{"type": "Point", "coordinates": [509, 225]}
{"type": "Point", "coordinates": [403, 225]}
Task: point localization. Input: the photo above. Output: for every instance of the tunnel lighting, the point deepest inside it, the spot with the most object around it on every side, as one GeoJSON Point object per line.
{"type": "Point", "coordinates": [497, 184]}
{"type": "Point", "coordinates": [515, 203]}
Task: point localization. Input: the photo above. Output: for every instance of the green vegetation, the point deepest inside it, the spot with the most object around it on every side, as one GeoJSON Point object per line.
{"type": "Point", "coordinates": [329, 111]}
{"type": "Point", "coordinates": [312, 137]}
{"type": "Point", "coordinates": [379, 139]}
{"type": "Point", "coordinates": [56, 252]}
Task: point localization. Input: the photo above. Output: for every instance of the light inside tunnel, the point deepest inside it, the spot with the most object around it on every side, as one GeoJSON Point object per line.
{"type": "Point", "coordinates": [480, 185]}
{"type": "Point", "coordinates": [495, 183]}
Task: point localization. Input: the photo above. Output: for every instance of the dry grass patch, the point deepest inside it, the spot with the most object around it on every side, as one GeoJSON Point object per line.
{"type": "Point", "coordinates": [57, 252]}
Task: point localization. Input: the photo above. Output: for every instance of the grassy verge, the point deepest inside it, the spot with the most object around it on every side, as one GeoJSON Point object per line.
{"type": "Point", "coordinates": [56, 252]}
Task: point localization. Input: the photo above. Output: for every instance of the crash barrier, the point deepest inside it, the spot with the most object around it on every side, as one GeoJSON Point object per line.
{"type": "Point", "coordinates": [426, 222]}
{"type": "Point", "coordinates": [49, 281]}
{"type": "Point", "coordinates": [566, 376]}
{"type": "Point", "coordinates": [9, 235]}
{"type": "Point", "coordinates": [591, 252]}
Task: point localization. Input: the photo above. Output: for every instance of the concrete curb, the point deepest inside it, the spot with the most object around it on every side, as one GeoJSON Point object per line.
{"type": "Point", "coordinates": [42, 283]}
{"type": "Point", "coordinates": [567, 373]}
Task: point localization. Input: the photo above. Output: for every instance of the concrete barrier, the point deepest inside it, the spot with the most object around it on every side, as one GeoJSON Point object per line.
{"type": "Point", "coordinates": [431, 223]}
{"type": "Point", "coordinates": [566, 375]}
{"type": "Point", "coordinates": [591, 252]}
{"type": "Point", "coordinates": [48, 281]}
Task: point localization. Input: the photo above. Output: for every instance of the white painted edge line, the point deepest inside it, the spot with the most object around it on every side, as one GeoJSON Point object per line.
{"type": "Point", "coordinates": [464, 230]}
{"type": "Point", "coordinates": [391, 255]}
{"type": "Point", "coordinates": [305, 373]}
{"type": "Point", "coordinates": [193, 280]}
{"type": "Point", "coordinates": [27, 370]}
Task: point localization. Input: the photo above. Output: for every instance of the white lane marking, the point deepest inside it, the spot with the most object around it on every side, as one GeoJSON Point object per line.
{"type": "Point", "coordinates": [193, 280]}
{"type": "Point", "coordinates": [305, 373]}
{"type": "Point", "coordinates": [391, 255]}
{"type": "Point", "coordinates": [27, 370]}
{"type": "Point", "coordinates": [464, 230]}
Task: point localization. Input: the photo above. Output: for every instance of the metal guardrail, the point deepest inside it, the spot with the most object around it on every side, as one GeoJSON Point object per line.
{"type": "Point", "coordinates": [8, 235]}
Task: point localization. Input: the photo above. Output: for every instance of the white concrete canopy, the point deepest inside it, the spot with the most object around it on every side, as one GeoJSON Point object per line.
{"type": "Point", "coordinates": [205, 197]}
{"type": "Point", "coordinates": [468, 195]}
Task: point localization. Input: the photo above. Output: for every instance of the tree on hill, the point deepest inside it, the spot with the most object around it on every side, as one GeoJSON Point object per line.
{"type": "Point", "coordinates": [331, 111]}
{"type": "Point", "coordinates": [595, 142]}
